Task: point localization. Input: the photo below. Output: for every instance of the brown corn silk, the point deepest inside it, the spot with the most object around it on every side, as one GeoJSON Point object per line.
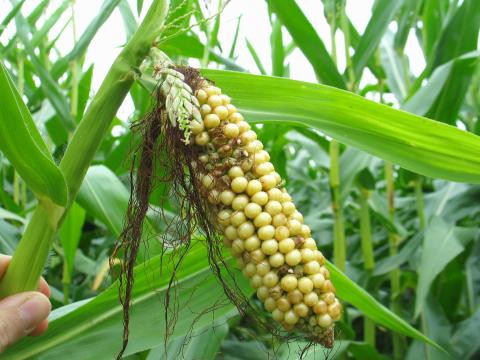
{"type": "Point", "coordinates": [229, 191]}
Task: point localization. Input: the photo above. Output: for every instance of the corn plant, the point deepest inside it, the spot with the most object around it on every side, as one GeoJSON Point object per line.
{"type": "Point", "coordinates": [206, 225]}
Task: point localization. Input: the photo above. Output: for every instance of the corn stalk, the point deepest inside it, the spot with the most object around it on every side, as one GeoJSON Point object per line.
{"type": "Point", "coordinates": [32, 252]}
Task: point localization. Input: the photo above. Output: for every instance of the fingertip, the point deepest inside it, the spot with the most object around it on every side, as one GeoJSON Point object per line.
{"type": "Point", "coordinates": [4, 261]}
{"type": "Point", "coordinates": [40, 329]}
{"type": "Point", "coordinates": [44, 288]}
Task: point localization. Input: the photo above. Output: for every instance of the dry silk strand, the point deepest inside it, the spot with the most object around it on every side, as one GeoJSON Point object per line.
{"type": "Point", "coordinates": [254, 212]}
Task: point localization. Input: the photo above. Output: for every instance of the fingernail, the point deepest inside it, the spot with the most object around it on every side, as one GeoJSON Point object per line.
{"type": "Point", "coordinates": [33, 311]}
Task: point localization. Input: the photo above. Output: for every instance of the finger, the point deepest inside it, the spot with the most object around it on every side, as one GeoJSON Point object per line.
{"type": "Point", "coordinates": [20, 314]}
{"type": "Point", "coordinates": [4, 261]}
{"type": "Point", "coordinates": [40, 329]}
{"type": "Point", "coordinates": [44, 288]}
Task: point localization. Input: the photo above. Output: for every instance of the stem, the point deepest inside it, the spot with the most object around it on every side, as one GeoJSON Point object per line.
{"type": "Point", "coordinates": [366, 231]}
{"type": "Point", "coordinates": [422, 223]}
{"type": "Point", "coordinates": [398, 340]}
{"type": "Point", "coordinates": [339, 243]}
{"type": "Point", "coordinates": [368, 258]}
{"type": "Point", "coordinates": [32, 252]}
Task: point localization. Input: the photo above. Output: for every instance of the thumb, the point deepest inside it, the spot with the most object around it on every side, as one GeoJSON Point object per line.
{"type": "Point", "coordinates": [20, 314]}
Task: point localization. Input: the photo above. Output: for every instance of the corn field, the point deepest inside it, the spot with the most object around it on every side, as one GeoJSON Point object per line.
{"type": "Point", "coordinates": [271, 179]}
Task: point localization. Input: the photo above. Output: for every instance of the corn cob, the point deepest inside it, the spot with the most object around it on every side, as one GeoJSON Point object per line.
{"type": "Point", "coordinates": [260, 222]}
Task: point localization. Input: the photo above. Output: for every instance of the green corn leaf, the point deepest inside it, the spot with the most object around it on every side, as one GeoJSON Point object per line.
{"type": "Point", "coordinates": [307, 39]}
{"type": "Point", "coordinates": [407, 15]}
{"type": "Point", "coordinates": [432, 21]}
{"type": "Point", "coordinates": [15, 9]}
{"type": "Point", "coordinates": [129, 21]}
{"type": "Point", "coordinates": [70, 233]}
{"type": "Point", "coordinates": [256, 58]}
{"type": "Point", "coordinates": [21, 142]}
{"type": "Point", "coordinates": [84, 41]}
{"type": "Point", "coordinates": [278, 51]}
{"type": "Point", "coordinates": [94, 327]}
{"type": "Point", "coordinates": [382, 15]}
{"type": "Point", "coordinates": [423, 146]}
{"type": "Point", "coordinates": [350, 292]}
{"type": "Point", "coordinates": [52, 20]}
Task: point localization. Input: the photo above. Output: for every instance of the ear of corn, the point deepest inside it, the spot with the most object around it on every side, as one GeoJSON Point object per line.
{"type": "Point", "coordinates": [252, 209]}
{"type": "Point", "coordinates": [260, 222]}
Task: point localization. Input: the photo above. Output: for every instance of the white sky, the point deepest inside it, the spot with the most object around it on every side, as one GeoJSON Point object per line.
{"type": "Point", "coordinates": [254, 26]}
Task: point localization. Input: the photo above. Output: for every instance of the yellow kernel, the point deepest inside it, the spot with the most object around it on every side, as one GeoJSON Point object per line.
{"type": "Point", "coordinates": [246, 230]}
{"type": "Point", "coordinates": [239, 184]}
{"type": "Point", "coordinates": [265, 169]}
{"type": "Point", "coordinates": [236, 117]}
{"type": "Point", "coordinates": [202, 139]}
{"type": "Point", "coordinates": [196, 127]}
{"type": "Point", "coordinates": [320, 307]}
{"type": "Point", "coordinates": [305, 231]}
{"type": "Point", "coordinates": [310, 244]}
{"type": "Point", "coordinates": [253, 187]}
{"type": "Point", "coordinates": [318, 280]}
{"type": "Point", "coordinates": [269, 182]}
{"type": "Point", "coordinates": [286, 245]}
{"type": "Point", "coordinates": [230, 232]}
{"type": "Point", "coordinates": [256, 281]}
{"type": "Point", "coordinates": [213, 90]}
{"type": "Point", "coordinates": [283, 304]}
{"type": "Point", "coordinates": [202, 96]}
{"type": "Point", "coordinates": [270, 279]}
{"type": "Point", "coordinates": [261, 197]}
{"type": "Point", "coordinates": [249, 270]}
{"type": "Point", "coordinates": [240, 202]}
{"type": "Point", "coordinates": [266, 232]}
{"type": "Point", "coordinates": [252, 210]}
{"type": "Point", "coordinates": [307, 255]}
{"type": "Point", "coordinates": [225, 99]}
{"type": "Point", "coordinates": [223, 217]}
{"type": "Point", "coordinates": [205, 109]}
{"type": "Point", "coordinates": [262, 293]}
{"type": "Point", "coordinates": [269, 247]}
{"type": "Point", "coordinates": [231, 131]}
{"type": "Point", "coordinates": [319, 256]}
{"type": "Point", "coordinates": [221, 111]}
{"type": "Point", "coordinates": [242, 125]}
{"type": "Point", "coordinates": [281, 233]}
{"type": "Point", "coordinates": [275, 194]}
{"type": "Point", "coordinates": [260, 157]}
{"type": "Point", "coordinates": [262, 219]}
{"type": "Point", "coordinates": [263, 267]}
{"type": "Point", "coordinates": [311, 298]}
{"type": "Point", "coordinates": [252, 243]}
{"type": "Point", "coordinates": [301, 309]}
{"type": "Point", "coordinates": [273, 207]}
{"type": "Point", "coordinates": [214, 101]}
{"type": "Point", "coordinates": [211, 121]}
{"type": "Point", "coordinates": [311, 267]}
{"type": "Point", "coordinates": [254, 146]}
{"type": "Point", "coordinates": [324, 320]}
{"type": "Point", "coordinates": [335, 309]}
{"type": "Point", "coordinates": [296, 216]}
{"type": "Point", "coordinates": [277, 315]}
{"type": "Point", "coordinates": [295, 296]}
{"type": "Point", "coordinates": [231, 109]}
{"type": "Point", "coordinates": [276, 260]}
{"type": "Point", "coordinates": [208, 181]}
{"type": "Point", "coordinates": [238, 218]}
{"type": "Point", "coordinates": [270, 304]}
{"type": "Point", "coordinates": [329, 298]}
{"type": "Point", "coordinates": [293, 257]}
{"type": "Point", "coordinates": [288, 208]}
{"type": "Point", "coordinates": [286, 197]}
{"type": "Point", "coordinates": [257, 255]}
{"type": "Point", "coordinates": [248, 136]}
{"type": "Point", "coordinates": [305, 285]}
{"type": "Point", "coordinates": [226, 197]}
{"type": "Point", "coordinates": [235, 171]}
{"type": "Point", "coordinates": [279, 220]}
{"type": "Point", "coordinates": [289, 283]}
{"type": "Point", "coordinates": [290, 317]}
{"type": "Point", "coordinates": [237, 247]}
{"type": "Point", "coordinates": [294, 226]}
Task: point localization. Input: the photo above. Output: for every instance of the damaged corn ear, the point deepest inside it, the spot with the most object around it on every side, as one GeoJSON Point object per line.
{"type": "Point", "coordinates": [260, 222]}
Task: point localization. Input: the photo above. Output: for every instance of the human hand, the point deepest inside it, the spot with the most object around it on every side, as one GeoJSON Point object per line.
{"type": "Point", "coordinates": [24, 313]}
